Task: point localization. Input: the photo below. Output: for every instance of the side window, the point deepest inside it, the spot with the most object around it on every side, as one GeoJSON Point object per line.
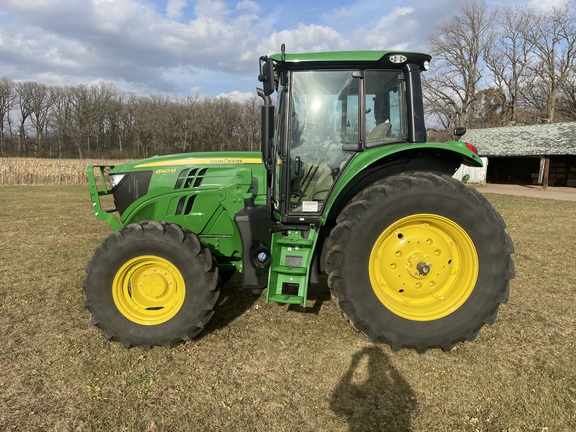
{"type": "Point", "coordinates": [385, 108]}
{"type": "Point", "coordinates": [352, 126]}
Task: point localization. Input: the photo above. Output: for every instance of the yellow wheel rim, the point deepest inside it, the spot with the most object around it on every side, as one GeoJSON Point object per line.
{"type": "Point", "coordinates": [423, 267]}
{"type": "Point", "coordinates": [148, 290]}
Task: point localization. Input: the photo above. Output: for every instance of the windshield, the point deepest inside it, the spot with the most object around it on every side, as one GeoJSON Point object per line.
{"type": "Point", "coordinates": [323, 116]}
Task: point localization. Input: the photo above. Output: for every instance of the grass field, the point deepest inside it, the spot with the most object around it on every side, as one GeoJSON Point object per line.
{"type": "Point", "coordinates": [267, 367]}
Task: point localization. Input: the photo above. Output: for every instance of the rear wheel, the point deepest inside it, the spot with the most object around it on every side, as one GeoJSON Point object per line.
{"type": "Point", "coordinates": [419, 260]}
{"type": "Point", "coordinates": [151, 284]}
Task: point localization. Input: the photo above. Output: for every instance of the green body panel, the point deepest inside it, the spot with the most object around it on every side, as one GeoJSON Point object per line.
{"type": "Point", "coordinates": [364, 159]}
{"type": "Point", "coordinates": [218, 184]}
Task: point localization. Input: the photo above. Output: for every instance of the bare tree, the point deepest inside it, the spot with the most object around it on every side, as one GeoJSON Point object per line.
{"type": "Point", "coordinates": [552, 36]}
{"type": "Point", "coordinates": [488, 108]}
{"type": "Point", "coordinates": [40, 103]}
{"type": "Point", "coordinates": [566, 105]}
{"type": "Point", "coordinates": [457, 47]}
{"type": "Point", "coordinates": [508, 58]}
{"type": "Point", "coordinates": [251, 124]}
{"type": "Point", "coordinates": [104, 97]}
{"type": "Point", "coordinates": [98, 120]}
{"type": "Point", "coordinates": [25, 96]}
{"type": "Point", "coordinates": [6, 103]}
{"type": "Point", "coordinates": [124, 109]}
{"type": "Point", "coordinates": [62, 118]}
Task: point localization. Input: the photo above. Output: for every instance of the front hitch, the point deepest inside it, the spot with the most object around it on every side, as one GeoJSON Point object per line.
{"type": "Point", "coordinates": [96, 193]}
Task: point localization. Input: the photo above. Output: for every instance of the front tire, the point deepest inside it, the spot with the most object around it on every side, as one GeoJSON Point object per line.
{"type": "Point", "coordinates": [151, 284]}
{"type": "Point", "coordinates": [419, 260]}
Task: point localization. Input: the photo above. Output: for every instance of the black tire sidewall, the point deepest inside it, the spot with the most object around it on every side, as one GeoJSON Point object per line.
{"type": "Point", "coordinates": [373, 318]}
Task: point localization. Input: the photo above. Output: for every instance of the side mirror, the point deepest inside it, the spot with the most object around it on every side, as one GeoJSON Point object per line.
{"type": "Point", "coordinates": [266, 76]}
{"type": "Point", "coordinates": [459, 131]}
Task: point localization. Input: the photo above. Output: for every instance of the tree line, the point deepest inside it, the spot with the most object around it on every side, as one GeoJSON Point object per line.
{"type": "Point", "coordinates": [492, 66]}
{"type": "Point", "coordinates": [98, 120]}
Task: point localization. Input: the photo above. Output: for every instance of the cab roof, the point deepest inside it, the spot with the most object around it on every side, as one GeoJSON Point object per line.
{"type": "Point", "coordinates": [351, 58]}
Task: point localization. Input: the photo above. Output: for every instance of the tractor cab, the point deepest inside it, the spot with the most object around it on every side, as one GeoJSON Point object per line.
{"type": "Point", "coordinates": [329, 108]}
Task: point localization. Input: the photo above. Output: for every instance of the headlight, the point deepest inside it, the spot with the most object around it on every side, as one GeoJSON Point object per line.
{"type": "Point", "coordinates": [398, 58]}
{"type": "Point", "coordinates": [129, 187]}
{"type": "Point", "coordinates": [115, 179]}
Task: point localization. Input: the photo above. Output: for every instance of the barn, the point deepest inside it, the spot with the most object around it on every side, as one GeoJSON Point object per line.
{"type": "Point", "coordinates": [537, 154]}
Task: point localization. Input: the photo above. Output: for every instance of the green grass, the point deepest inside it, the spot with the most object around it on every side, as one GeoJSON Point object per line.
{"type": "Point", "coordinates": [267, 367]}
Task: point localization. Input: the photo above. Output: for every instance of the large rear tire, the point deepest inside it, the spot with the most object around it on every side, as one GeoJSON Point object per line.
{"type": "Point", "coordinates": [419, 260]}
{"type": "Point", "coordinates": [151, 284]}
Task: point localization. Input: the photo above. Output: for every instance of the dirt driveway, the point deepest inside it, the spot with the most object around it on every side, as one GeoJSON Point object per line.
{"type": "Point", "coordinates": [556, 193]}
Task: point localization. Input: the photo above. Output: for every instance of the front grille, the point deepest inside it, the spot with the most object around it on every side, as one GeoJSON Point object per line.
{"type": "Point", "coordinates": [133, 186]}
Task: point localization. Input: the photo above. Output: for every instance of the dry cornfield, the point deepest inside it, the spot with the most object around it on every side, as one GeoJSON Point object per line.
{"type": "Point", "coordinates": [37, 171]}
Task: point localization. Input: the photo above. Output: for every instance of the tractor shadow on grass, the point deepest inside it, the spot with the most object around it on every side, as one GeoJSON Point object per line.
{"type": "Point", "coordinates": [372, 395]}
{"type": "Point", "coordinates": [235, 300]}
{"type": "Point", "coordinates": [318, 293]}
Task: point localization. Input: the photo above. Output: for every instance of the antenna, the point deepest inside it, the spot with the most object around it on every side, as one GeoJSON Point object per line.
{"type": "Point", "coordinates": [283, 50]}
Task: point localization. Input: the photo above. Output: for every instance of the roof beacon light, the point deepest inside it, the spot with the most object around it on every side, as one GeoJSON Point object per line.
{"type": "Point", "coordinates": [398, 58]}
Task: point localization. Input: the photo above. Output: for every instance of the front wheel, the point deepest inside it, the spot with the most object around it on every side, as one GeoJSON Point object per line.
{"type": "Point", "coordinates": [151, 284]}
{"type": "Point", "coordinates": [419, 260]}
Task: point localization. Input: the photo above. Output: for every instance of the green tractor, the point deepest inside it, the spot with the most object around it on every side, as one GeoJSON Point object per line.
{"type": "Point", "coordinates": [345, 184]}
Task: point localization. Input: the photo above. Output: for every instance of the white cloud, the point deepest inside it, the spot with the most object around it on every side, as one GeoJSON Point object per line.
{"type": "Point", "coordinates": [343, 14]}
{"type": "Point", "coordinates": [211, 9]}
{"type": "Point", "coordinates": [303, 38]}
{"type": "Point", "coordinates": [174, 8]}
{"type": "Point", "coordinates": [540, 5]}
{"type": "Point", "coordinates": [203, 46]}
{"type": "Point", "coordinates": [237, 96]}
{"type": "Point", "coordinates": [135, 44]}
{"type": "Point", "coordinates": [387, 32]}
{"type": "Point", "coordinates": [248, 5]}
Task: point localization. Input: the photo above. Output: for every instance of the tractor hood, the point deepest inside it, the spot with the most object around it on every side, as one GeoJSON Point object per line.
{"type": "Point", "coordinates": [159, 163]}
{"type": "Point", "coordinates": [149, 188]}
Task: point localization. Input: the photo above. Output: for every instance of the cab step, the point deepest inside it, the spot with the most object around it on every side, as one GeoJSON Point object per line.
{"type": "Point", "coordinates": [289, 274]}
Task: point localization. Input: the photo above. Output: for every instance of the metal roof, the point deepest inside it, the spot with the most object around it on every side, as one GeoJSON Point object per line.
{"type": "Point", "coordinates": [534, 140]}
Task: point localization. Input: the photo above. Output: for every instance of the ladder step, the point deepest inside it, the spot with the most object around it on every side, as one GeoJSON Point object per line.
{"type": "Point", "coordinates": [290, 299]}
{"type": "Point", "coordinates": [290, 241]}
{"type": "Point", "coordinates": [294, 271]}
{"type": "Point", "coordinates": [290, 267]}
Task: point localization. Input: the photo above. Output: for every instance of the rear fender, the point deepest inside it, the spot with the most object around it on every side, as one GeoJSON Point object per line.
{"type": "Point", "coordinates": [369, 166]}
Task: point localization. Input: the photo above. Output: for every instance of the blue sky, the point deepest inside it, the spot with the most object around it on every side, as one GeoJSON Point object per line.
{"type": "Point", "coordinates": [198, 47]}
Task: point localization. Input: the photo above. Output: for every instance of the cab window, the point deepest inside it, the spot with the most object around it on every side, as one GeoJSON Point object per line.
{"type": "Point", "coordinates": [385, 108]}
{"type": "Point", "coordinates": [324, 115]}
